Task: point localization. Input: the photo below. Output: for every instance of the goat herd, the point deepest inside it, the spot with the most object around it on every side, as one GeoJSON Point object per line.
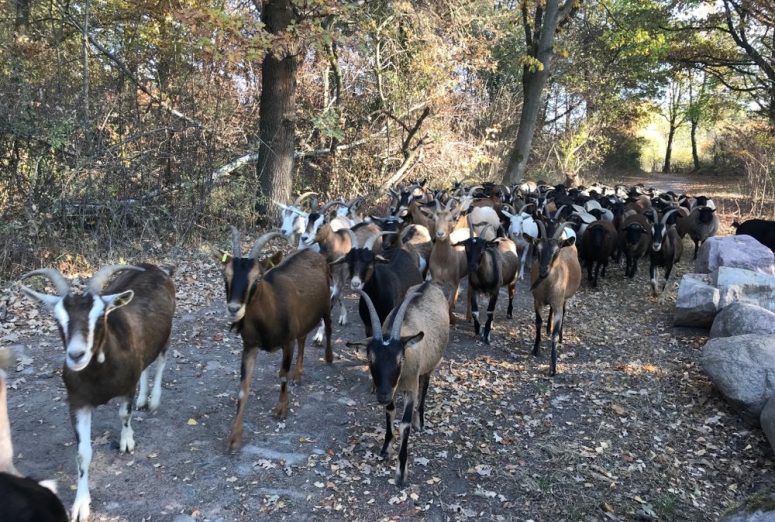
{"type": "Point", "coordinates": [406, 266]}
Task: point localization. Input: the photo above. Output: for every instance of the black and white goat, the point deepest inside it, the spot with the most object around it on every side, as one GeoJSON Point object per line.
{"type": "Point", "coordinates": [111, 337]}
{"type": "Point", "coordinates": [402, 354]}
{"type": "Point", "coordinates": [666, 250]}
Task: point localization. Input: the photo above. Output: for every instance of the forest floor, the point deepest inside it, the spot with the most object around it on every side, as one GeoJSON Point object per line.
{"type": "Point", "coordinates": [630, 428]}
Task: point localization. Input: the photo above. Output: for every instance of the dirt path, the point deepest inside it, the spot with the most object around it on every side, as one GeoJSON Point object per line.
{"type": "Point", "coordinates": [629, 429]}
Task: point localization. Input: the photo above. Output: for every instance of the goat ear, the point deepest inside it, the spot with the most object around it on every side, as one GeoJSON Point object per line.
{"type": "Point", "coordinates": [115, 301]}
{"type": "Point", "coordinates": [357, 344]}
{"type": "Point", "coordinates": [568, 242]}
{"type": "Point", "coordinates": [271, 261]}
{"type": "Point", "coordinates": [50, 301]}
{"type": "Point", "coordinates": [222, 256]}
{"type": "Point", "coordinates": [409, 340]}
{"type": "Point", "coordinates": [530, 239]}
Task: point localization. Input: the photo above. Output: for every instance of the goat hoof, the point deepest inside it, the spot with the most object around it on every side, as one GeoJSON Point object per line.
{"type": "Point", "coordinates": [281, 410]}
{"type": "Point", "coordinates": [295, 377]}
{"type": "Point", "coordinates": [235, 441]}
{"type": "Point", "coordinates": [81, 509]}
{"type": "Point", "coordinates": [142, 403]}
{"type": "Point", "coordinates": [342, 321]}
{"type": "Point", "coordinates": [486, 339]}
{"type": "Point", "coordinates": [384, 454]}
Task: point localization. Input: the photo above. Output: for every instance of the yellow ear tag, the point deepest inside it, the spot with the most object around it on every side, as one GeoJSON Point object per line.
{"type": "Point", "coordinates": [225, 257]}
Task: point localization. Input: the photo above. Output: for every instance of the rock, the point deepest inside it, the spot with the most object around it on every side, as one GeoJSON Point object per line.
{"type": "Point", "coordinates": [737, 284]}
{"type": "Point", "coordinates": [767, 420]}
{"type": "Point", "coordinates": [756, 516]}
{"type": "Point", "coordinates": [741, 318]}
{"type": "Point", "coordinates": [735, 252]}
{"type": "Point", "coordinates": [697, 301]}
{"type": "Point", "coordinates": [742, 368]}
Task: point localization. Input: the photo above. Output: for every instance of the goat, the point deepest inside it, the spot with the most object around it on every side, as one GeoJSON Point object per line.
{"type": "Point", "coordinates": [701, 223]}
{"type": "Point", "coordinates": [448, 264]}
{"type": "Point", "coordinates": [555, 277]}
{"type": "Point", "coordinates": [111, 337]}
{"type": "Point", "coordinates": [491, 265]}
{"type": "Point", "coordinates": [596, 247]}
{"type": "Point", "coordinates": [24, 499]}
{"type": "Point", "coordinates": [634, 241]}
{"type": "Point", "coordinates": [384, 281]}
{"type": "Point", "coordinates": [522, 223]}
{"type": "Point", "coordinates": [666, 250]}
{"type": "Point", "coordinates": [293, 219]}
{"type": "Point", "coordinates": [273, 309]}
{"type": "Point", "coordinates": [402, 362]}
{"type": "Point", "coordinates": [760, 229]}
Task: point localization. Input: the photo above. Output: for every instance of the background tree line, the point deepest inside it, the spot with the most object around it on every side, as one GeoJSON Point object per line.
{"type": "Point", "coordinates": [162, 121]}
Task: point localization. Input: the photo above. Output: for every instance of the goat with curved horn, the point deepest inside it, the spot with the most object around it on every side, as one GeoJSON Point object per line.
{"type": "Point", "coordinates": [302, 197]}
{"type": "Point", "coordinates": [61, 284]}
{"type": "Point", "coordinates": [236, 249]}
{"type": "Point", "coordinates": [98, 280]}
{"type": "Point", "coordinates": [376, 325]}
{"type": "Point", "coordinates": [261, 242]}
{"type": "Point", "coordinates": [402, 366]}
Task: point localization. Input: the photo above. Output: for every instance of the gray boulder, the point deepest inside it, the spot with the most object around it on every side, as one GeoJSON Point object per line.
{"type": "Point", "coordinates": [737, 284]}
{"type": "Point", "coordinates": [697, 301]}
{"type": "Point", "coordinates": [735, 252]}
{"type": "Point", "coordinates": [756, 516]}
{"type": "Point", "coordinates": [742, 368]}
{"type": "Point", "coordinates": [743, 318]}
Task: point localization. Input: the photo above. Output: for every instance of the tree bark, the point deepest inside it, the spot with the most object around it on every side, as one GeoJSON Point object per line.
{"type": "Point", "coordinates": [540, 41]}
{"type": "Point", "coordinates": [669, 151]}
{"type": "Point", "coordinates": [277, 118]}
{"type": "Point", "coordinates": [22, 20]}
{"type": "Point", "coordinates": [695, 156]}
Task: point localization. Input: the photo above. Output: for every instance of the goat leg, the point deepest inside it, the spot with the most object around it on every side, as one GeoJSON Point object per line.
{"type": "Point", "coordinates": [298, 370]}
{"type": "Point", "coordinates": [425, 381]}
{"type": "Point", "coordinates": [549, 324]}
{"type": "Point", "coordinates": [403, 453]}
{"type": "Point", "coordinates": [161, 363]}
{"type": "Point", "coordinates": [474, 305]}
{"type": "Point", "coordinates": [490, 312]}
{"type": "Point", "coordinates": [556, 329]}
{"type": "Point", "coordinates": [653, 275]}
{"type": "Point", "coordinates": [512, 291]}
{"type": "Point", "coordinates": [390, 413]}
{"type": "Point", "coordinates": [538, 332]}
{"type": "Point", "coordinates": [329, 352]}
{"type": "Point", "coordinates": [81, 419]}
{"type": "Point", "coordinates": [598, 264]}
{"type": "Point", "coordinates": [452, 301]}
{"type": "Point", "coordinates": [246, 376]}
{"type": "Point", "coordinates": [142, 395]}
{"type": "Point", "coordinates": [127, 444]}
{"type": "Point", "coordinates": [281, 410]}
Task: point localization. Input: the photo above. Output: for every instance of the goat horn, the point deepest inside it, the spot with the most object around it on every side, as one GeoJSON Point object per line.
{"type": "Point", "coordinates": [667, 215]}
{"type": "Point", "coordinates": [304, 196]}
{"type": "Point", "coordinates": [356, 202]}
{"type": "Point", "coordinates": [398, 319]}
{"type": "Point", "coordinates": [470, 227]}
{"type": "Point", "coordinates": [559, 211]}
{"type": "Point", "coordinates": [235, 242]}
{"type": "Point", "coordinates": [484, 229]}
{"type": "Point", "coordinates": [60, 283]}
{"type": "Point", "coordinates": [394, 194]}
{"type": "Point", "coordinates": [541, 228]}
{"type": "Point", "coordinates": [353, 238]}
{"type": "Point", "coordinates": [261, 241]}
{"type": "Point", "coordinates": [524, 207]}
{"type": "Point", "coordinates": [561, 228]}
{"type": "Point", "coordinates": [330, 204]}
{"type": "Point", "coordinates": [376, 326]}
{"type": "Point", "coordinates": [98, 280]}
{"type": "Point", "coordinates": [281, 205]}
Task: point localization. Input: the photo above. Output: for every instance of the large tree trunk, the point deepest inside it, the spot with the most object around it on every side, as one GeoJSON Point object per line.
{"type": "Point", "coordinates": [547, 18]}
{"type": "Point", "coordinates": [277, 119]}
{"type": "Point", "coordinates": [22, 20]}
{"type": "Point", "coordinates": [695, 156]}
{"type": "Point", "coordinates": [669, 151]}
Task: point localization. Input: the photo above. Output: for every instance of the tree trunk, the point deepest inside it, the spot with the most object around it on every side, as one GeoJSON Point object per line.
{"type": "Point", "coordinates": [277, 118]}
{"type": "Point", "coordinates": [695, 156]}
{"type": "Point", "coordinates": [669, 151]}
{"type": "Point", "coordinates": [22, 20]}
{"type": "Point", "coordinates": [540, 47]}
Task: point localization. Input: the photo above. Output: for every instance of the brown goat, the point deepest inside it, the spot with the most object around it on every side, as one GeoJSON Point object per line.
{"type": "Point", "coordinates": [273, 309]}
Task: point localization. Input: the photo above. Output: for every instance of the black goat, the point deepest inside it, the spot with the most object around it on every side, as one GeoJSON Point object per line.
{"type": "Point", "coordinates": [761, 230]}
{"type": "Point", "coordinates": [384, 280]}
{"type": "Point", "coordinates": [596, 247]}
{"type": "Point", "coordinates": [634, 241]}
